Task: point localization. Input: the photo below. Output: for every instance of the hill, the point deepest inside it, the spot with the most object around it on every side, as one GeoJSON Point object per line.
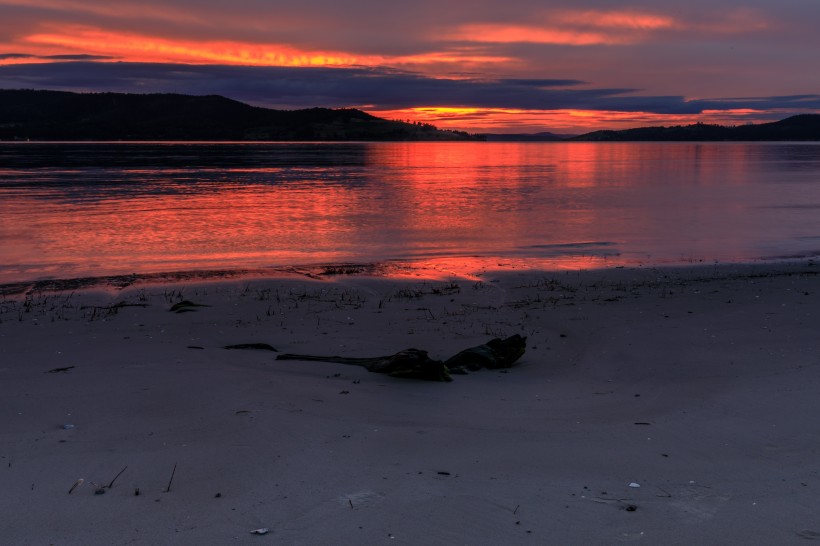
{"type": "Point", "coordinates": [59, 115]}
{"type": "Point", "coordinates": [804, 127]}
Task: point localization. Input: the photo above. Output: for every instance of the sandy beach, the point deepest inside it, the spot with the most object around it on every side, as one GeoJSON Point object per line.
{"type": "Point", "coordinates": [654, 406]}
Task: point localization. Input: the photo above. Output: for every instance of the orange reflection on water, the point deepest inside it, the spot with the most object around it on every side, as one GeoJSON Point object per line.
{"type": "Point", "coordinates": [221, 229]}
{"type": "Point", "coordinates": [444, 208]}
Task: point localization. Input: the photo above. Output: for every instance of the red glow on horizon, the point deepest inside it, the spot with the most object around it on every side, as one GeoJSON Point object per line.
{"type": "Point", "coordinates": [509, 120]}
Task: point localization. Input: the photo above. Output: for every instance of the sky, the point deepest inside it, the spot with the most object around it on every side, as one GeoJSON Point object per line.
{"type": "Point", "coordinates": [516, 66]}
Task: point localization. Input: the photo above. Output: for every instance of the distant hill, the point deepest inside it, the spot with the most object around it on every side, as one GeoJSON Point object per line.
{"type": "Point", "coordinates": [524, 137]}
{"type": "Point", "coordinates": [58, 115]}
{"type": "Point", "coordinates": [802, 127]}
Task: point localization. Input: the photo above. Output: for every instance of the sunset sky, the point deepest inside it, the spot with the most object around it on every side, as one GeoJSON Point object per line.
{"type": "Point", "coordinates": [475, 65]}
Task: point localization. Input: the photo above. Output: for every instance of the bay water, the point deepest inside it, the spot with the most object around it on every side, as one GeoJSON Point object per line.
{"type": "Point", "coordinates": [91, 209]}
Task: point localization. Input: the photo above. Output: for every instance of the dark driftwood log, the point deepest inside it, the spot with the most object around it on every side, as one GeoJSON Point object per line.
{"type": "Point", "coordinates": [254, 346]}
{"type": "Point", "coordinates": [410, 363]}
{"type": "Point", "coordinates": [496, 353]}
{"type": "Point", "coordinates": [416, 364]}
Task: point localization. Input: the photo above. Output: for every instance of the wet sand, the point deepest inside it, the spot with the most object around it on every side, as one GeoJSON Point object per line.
{"type": "Point", "coordinates": [697, 384]}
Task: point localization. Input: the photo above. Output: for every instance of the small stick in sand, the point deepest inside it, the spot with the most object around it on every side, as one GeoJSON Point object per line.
{"type": "Point", "coordinates": [115, 477]}
{"type": "Point", "coordinates": [168, 489]}
{"type": "Point", "coordinates": [60, 370]}
{"type": "Point", "coordinates": [77, 484]}
{"type": "Point", "coordinates": [257, 346]}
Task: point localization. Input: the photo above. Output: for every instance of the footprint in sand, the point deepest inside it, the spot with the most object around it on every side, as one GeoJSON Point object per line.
{"type": "Point", "coordinates": [360, 499]}
{"type": "Point", "coordinates": [699, 503]}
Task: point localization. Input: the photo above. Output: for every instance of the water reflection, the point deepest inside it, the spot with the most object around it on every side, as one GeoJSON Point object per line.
{"type": "Point", "coordinates": [92, 209]}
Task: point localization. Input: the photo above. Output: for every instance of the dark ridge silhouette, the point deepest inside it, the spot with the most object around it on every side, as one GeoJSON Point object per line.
{"type": "Point", "coordinates": [803, 127]}
{"type": "Point", "coordinates": [60, 115]}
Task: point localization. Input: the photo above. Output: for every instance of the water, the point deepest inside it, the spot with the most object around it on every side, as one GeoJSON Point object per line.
{"type": "Point", "coordinates": [71, 210]}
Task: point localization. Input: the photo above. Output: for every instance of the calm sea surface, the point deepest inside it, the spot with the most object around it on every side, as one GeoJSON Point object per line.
{"type": "Point", "coordinates": [70, 210]}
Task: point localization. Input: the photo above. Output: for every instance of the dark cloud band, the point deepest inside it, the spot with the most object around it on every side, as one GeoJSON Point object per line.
{"type": "Point", "coordinates": [299, 87]}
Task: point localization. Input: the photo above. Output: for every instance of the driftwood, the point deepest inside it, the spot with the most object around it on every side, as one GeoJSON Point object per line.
{"type": "Point", "coordinates": [416, 364]}
{"type": "Point", "coordinates": [496, 353]}
{"type": "Point", "coordinates": [253, 346]}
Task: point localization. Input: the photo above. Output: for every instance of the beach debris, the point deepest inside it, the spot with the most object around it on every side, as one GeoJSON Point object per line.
{"type": "Point", "coordinates": [620, 503]}
{"type": "Point", "coordinates": [61, 370]}
{"type": "Point", "coordinates": [410, 363]}
{"type": "Point", "coordinates": [106, 311]}
{"type": "Point", "coordinates": [111, 483]}
{"type": "Point", "coordinates": [256, 346]}
{"type": "Point", "coordinates": [260, 531]}
{"type": "Point", "coordinates": [186, 306]}
{"type": "Point", "coordinates": [67, 426]}
{"type": "Point", "coordinates": [416, 364]}
{"type": "Point", "coordinates": [174, 471]}
{"type": "Point", "coordinates": [77, 484]}
{"type": "Point", "coordinates": [634, 485]}
{"type": "Point", "coordinates": [99, 489]}
{"type": "Point", "coordinates": [496, 353]}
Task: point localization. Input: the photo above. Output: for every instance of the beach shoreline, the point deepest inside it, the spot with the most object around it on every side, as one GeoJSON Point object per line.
{"type": "Point", "coordinates": [698, 384]}
{"type": "Point", "coordinates": [442, 268]}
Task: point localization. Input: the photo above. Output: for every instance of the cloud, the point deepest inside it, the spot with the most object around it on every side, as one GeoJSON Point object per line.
{"type": "Point", "coordinates": [78, 57]}
{"type": "Point", "coordinates": [372, 88]}
{"type": "Point", "coordinates": [571, 27]}
{"type": "Point", "coordinates": [536, 82]}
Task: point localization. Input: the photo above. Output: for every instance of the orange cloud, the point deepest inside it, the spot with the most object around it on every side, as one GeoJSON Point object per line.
{"type": "Point", "coordinates": [144, 48]}
{"type": "Point", "coordinates": [576, 28]}
{"type": "Point", "coordinates": [136, 47]}
{"type": "Point", "coordinates": [615, 19]}
{"type": "Point", "coordinates": [504, 34]}
{"type": "Point", "coordinates": [596, 27]}
{"type": "Point", "coordinates": [447, 57]}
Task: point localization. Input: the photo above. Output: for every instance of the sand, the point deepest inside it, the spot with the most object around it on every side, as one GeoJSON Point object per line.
{"type": "Point", "coordinates": [700, 385]}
